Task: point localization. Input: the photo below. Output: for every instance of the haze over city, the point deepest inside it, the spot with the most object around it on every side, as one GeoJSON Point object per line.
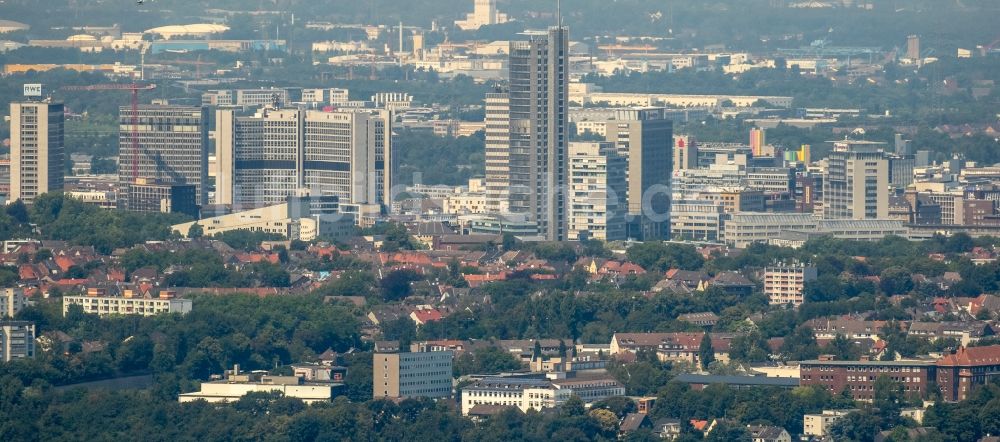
{"type": "Point", "coordinates": [500, 220]}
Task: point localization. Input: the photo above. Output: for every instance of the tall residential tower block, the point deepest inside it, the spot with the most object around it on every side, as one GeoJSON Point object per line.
{"type": "Point", "coordinates": [37, 163]}
{"type": "Point", "coordinates": [538, 120]}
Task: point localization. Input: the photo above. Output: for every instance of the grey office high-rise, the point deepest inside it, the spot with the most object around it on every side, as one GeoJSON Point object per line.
{"type": "Point", "coordinates": [645, 138]}
{"type": "Point", "coordinates": [265, 158]}
{"type": "Point", "coordinates": [172, 148]}
{"type": "Point", "coordinates": [538, 119]}
{"type": "Point", "coordinates": [37, 163]}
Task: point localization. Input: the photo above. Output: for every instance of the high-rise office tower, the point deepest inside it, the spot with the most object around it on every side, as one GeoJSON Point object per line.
{"type": "Point", "coordinates": [685, 155]}
{"type": "Point", "coordinates": [758, 140]}
{"type": "Point", "coordinates": [597, 204]}
{"type": "Point", "coordinates": [497, 151]}
{"type": "Point", "coordinates": [645, 138]}
{"type": "Point", "coordinates": [265, 158]}
{"type": "Point", "coordinates": [856, 183]}
{"type": "Point", "coordinates": [257, 157]}
{"type": "Point", "coordinates": [538, 96]}
{"type": "Point", "coordinates": [172, 147]}
{"type": "Point", "coordinates": [37, 160]}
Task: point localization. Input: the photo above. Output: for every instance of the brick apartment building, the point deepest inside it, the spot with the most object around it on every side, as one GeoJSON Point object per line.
{"type": "Point", "coordinates": [962, 371]}
{"type": "Point", "coordinates": [957, 374]}
{"type": "Point", "coordinates": [859, 376]}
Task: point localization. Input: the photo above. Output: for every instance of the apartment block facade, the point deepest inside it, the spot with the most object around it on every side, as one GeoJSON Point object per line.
{"type": "Point", "coordinates": [417, 374]}
{"type": "Point", "coordinates": [37, 163]}
{"type": "Point", "coordinates": [12, 300]}
{"type": "Point", "coordinates": [538, 121]}
{"type": "Point", "coordinates": [784, 284]}
{"type": "Point", "coordinates": [597, 199]}
{"type": "Point", "coordinates": [498, 151]}
{"type": "Point", "coordinates": [17, 340]}
{"type": "Point", "coordinates": [103, 305]}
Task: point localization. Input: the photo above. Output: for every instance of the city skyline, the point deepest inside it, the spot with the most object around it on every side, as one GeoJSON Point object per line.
{"type": "Point", "coordinates": [500, 220]}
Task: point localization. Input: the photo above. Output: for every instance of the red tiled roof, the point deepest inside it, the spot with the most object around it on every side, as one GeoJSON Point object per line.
{"type": "Point", "coordinates": [330, 251]}
{"type": "Point", "coordinates": [632, 268]}
{"type": "Point", "coordinates": [26, 271]}
{"type": "Point", "coordinates": [627, 268]}
{"type": "Point", "coordinates": [989, 355]}
{"type": "Point", "coordinates": [64, 262]}
{"type": "Point", "coordinates": [477, 280]}
{"type": "Point", "coordinates": [425, 316]}
{"type": "Point", "coordinates": [253, 258]}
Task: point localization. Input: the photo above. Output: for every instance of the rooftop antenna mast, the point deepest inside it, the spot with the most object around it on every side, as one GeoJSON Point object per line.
{"type": "Point", "coordinates": [559, 14]}
{"type": "Point", "coordinates": [671, 12]}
